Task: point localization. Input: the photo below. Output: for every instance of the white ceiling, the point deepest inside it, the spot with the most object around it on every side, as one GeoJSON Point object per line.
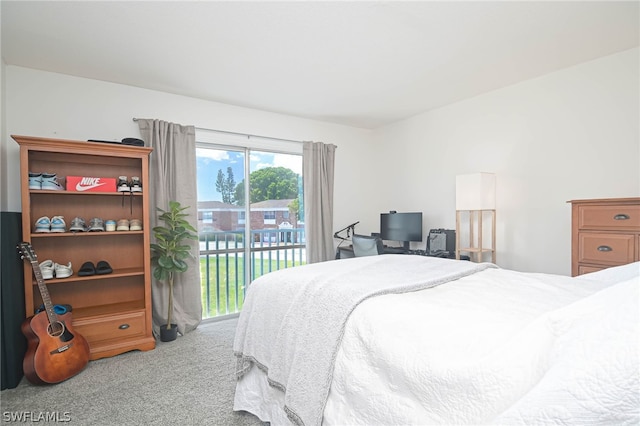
{"type": "Point", "coordinates": [362, 64]}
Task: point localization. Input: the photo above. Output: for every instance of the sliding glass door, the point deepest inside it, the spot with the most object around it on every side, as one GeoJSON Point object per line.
{"type": "Point", "coordinates": [250, 220]}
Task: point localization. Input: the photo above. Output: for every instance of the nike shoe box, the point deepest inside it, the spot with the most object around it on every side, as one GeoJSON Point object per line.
{"type": "Point", "coordinates": [91, 184]}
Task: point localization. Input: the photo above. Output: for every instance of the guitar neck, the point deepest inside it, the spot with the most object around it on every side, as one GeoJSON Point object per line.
{"type": "Point", "coordinates": [44, 292]}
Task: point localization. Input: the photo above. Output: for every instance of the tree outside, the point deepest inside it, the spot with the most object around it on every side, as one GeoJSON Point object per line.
{"type": "Point", "coordinates": [269, 183]}
{"type": "Point", "coordinates": [226, 186]}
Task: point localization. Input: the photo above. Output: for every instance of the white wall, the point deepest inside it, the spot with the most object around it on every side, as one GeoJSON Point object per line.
{"type": "Point", "coordinates": [59, 106]}
{"type": "Point", "coordinates": [568, 135]}
{"type": "Point", "coordinates": [571, 134]}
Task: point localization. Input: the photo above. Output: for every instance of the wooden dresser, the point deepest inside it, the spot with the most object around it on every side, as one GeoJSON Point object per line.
{"type": "Point", "coordinates": [604, 233]}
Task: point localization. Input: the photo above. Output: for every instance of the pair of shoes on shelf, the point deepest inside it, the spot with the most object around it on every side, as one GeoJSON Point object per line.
{"type": "Point", "coordinates": [50, 269]}
{"type": "Point", "coordinates": [133, 185]}
{"type": "Point", "coordinates": [129, 225]}
{"type": "Point", "coordinates": [130, 186]}
{"type": "Point", "coordinates": [55, 224]}
{"type": "Point", "coordinates": [44, 181]}
{"type": "Point", "coordinates": [101, 268]}
{"type": "Point", "coordinates": [79, 225]}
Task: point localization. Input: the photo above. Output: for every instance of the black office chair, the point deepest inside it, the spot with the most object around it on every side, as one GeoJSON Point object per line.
{"type": "Point", "coordinates": [365, 245]}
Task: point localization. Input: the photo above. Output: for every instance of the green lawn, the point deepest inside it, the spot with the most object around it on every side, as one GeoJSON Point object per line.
{"type": "Point", "coordinates": [229, 296]}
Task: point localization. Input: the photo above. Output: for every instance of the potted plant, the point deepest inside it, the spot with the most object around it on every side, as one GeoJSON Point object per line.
{"type": "Point", "coordinates": [168, 254]}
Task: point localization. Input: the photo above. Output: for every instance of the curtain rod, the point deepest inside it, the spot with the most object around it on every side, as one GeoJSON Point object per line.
{"type": "Point", "coordinates": [240, 134]}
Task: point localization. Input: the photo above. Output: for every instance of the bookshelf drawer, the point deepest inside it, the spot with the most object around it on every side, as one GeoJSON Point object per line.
{"type": "Point", "coordinates": [120, 326]}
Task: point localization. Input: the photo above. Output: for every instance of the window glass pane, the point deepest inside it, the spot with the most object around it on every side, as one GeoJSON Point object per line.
{"type": "Point", "coordinates": [221, 230]}
{"type": "Point", "coordinates": [272, 223]}
{"type": "Point", "coordinates": [275, 197]}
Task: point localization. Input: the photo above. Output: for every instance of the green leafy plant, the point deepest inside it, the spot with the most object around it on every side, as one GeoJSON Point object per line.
{"type": "Point", "coordinates": [169, 251]}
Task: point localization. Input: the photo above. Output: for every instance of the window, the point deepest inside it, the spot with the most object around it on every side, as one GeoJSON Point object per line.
{"type": "Point", "coordinates": [207, 217]}
{"type": "Point", "coordinates": [269, 218]}
{"type": "Point", "coordinates": [251, 221]}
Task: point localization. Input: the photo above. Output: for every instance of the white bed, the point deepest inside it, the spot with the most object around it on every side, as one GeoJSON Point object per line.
{"type": "Point", "coordinates": [417, 340]}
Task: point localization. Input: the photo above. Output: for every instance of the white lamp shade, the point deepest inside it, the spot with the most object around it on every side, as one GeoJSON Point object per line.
{"type": "Point", "coordinates": [476, 191]}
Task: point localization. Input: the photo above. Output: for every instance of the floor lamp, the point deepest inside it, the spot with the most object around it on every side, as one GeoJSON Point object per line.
{"type": "Point", "coordinates": [475, 200]}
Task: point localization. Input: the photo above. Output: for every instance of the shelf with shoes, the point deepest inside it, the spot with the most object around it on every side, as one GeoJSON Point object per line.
{"type": "Point", "coordinates": [111, 310]}
{"type": "Point", "coordinates": [117, 273]}
{"type": "Point", "coordinates": [84, 234]}
{"type": "Point", "coordinates": [104, 194]}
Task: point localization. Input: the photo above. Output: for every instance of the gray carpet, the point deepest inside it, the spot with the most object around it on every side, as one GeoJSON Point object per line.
{"type": "Point", "coordinates": [189, 381]}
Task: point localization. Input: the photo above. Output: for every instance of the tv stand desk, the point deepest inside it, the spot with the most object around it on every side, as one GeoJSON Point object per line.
{"type": "Point", "coordinates": [346, 252]}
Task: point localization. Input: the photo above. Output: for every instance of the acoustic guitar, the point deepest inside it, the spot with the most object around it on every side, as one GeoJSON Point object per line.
{"type": "Point", "coordinates": [55, 352]}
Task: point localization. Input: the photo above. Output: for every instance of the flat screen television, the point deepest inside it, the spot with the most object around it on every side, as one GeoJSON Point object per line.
{"type": "Point", "coordinates": [404, 227]}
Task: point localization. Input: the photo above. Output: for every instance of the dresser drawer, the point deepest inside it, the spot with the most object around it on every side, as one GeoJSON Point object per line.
{"type": "Point", "coordinates": [624, 218]}
{"type": "Point", "coordinates": [120, 326]}
{"type": "Point", "coordinates": [606, 249]}
{"type": "Point", "coordinates": [588, 269]}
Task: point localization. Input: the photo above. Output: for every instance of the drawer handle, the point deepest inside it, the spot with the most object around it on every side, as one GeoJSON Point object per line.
{"type": "Point", "coordinates": [125, 326]}
{"type": "Point", "coordinates": [604, 248]}
{"type": "Point", "coordinates": [621, 217]}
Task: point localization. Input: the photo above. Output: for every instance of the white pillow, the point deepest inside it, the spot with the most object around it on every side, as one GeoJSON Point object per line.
{"type": "Point", "coordinates": [594, 375]}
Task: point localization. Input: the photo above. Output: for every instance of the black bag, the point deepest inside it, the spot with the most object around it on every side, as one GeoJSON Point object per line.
{"type": "Point", "coordinates": [441, 240]}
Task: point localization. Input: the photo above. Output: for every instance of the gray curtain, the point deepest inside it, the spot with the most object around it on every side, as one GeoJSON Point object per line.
{"type": "Point", "coordinates": [172, 177]}
{"type": "Point", "coordinates": [317, 172]}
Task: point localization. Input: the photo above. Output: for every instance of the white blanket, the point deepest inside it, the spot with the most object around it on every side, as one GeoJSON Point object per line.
{"type": "Point", "coordinates": [293, 320]}
{"type": "Point", "coordinates": [495, 347]}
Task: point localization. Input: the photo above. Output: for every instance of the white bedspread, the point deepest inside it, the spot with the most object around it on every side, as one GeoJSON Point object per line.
{"type": "Point", "coordinates": [293, 320]}
{"type": "Point", "coordinates": [496, 347]}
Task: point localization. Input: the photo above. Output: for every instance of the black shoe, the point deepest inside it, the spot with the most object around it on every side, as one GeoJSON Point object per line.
{"type": "Point", "coordinates": [103, 268]}
{"type": "Point", "coordinates": [87, 269]}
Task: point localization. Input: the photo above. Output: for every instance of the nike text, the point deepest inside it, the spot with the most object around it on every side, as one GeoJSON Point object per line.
{"type": "Point", "coordinates": [87, 183]}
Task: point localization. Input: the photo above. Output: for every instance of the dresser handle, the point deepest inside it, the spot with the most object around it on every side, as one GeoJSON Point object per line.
{"type": "Point", "coordinates": [604, 248]}
{"type": "Point", "coordinates": [621, 217]}
{"type": "Point", "coordinates": [125, 326]}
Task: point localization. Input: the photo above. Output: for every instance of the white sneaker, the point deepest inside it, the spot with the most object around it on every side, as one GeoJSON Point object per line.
{"type": "Point", "coordinates": [135, 184]}
{"type": "Point", "coordinates": [123, 184]}
{"type": "Point", "coordinates": [43, 224]}
{"type": "Point", "coordinates": [123, 225]}
{"type": "Point", "coordinates": [46, 268]}
{"type": "Point", "coordinates": [35, 180]}
{"type": "Point", "coordinates": [135, 225]}
{"type": "Point", "coordinates": [50, 181]}
{"type": "Point", "coordinates": [58, 224]}
{"type": "Point", "coordinates": [63, 271]}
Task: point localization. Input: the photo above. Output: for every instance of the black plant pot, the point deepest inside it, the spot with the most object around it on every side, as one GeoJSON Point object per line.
{"type": "Point", "coordinates": [168, 334]}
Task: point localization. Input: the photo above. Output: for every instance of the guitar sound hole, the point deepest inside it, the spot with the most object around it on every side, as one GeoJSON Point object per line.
{"type": "Point", "coordinates": [56, 329]}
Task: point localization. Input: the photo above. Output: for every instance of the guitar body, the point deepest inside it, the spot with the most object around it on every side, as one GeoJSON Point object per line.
{"type": "Point", "coordinates": [52, 358]}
